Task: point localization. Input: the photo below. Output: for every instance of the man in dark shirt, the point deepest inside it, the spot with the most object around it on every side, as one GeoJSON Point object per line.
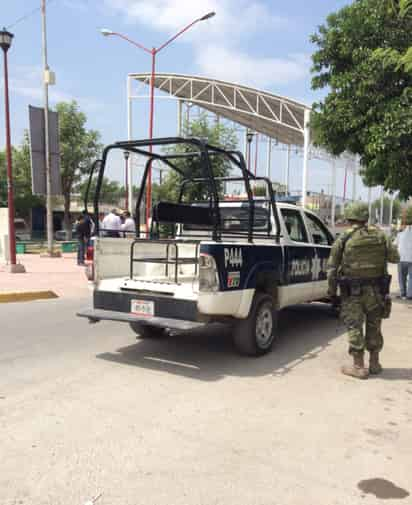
{"type": "Point", "coordinates": [83, 230]}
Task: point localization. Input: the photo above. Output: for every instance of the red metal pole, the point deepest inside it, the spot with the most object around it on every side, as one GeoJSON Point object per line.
{"type": "Point", "coordinates": [10, 196]}
{"type": "Point", "coordinates": [151, 120]}
{"type": "Point", "coordinates": [126, 184]}
{"type": "Point", "coordinates": [256, 151]}
{"type": "Point", "coordinates": [344, 184]}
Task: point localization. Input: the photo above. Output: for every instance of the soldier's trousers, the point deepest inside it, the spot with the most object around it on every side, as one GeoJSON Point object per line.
{"type": "Point", "coordinates": [362, 316]}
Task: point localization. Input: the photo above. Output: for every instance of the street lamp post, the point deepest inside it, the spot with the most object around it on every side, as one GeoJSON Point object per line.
{"type": "Point", "coordinates": [153, 52]}
{"type": "Point", "coordinates": [5, 43]}
{"type": "Point", "coordinates": [126, 155]}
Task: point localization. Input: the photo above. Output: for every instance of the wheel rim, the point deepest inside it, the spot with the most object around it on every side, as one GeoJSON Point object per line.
{"type": "Point", "coordinates": [264, 326]}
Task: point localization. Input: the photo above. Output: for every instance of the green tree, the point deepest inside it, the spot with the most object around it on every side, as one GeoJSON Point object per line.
{"type": "Point", "coordinates": [24, 200]}
{"type": "Point", "coordinates": [110, 192]}
{"type": "Point", "coordinates": [79, 147]}
{"type": "Point", "coordinates": [368, 108]}
{"type": "Point", "coordinates": [399, 9]}
{"type": "Point", "coordinates": [216, 134]}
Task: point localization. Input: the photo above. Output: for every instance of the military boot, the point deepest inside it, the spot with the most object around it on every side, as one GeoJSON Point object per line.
{"type": "Point", "coordinates": [375, 367]}
{"type": "Point", "coordinates": [358, 369]}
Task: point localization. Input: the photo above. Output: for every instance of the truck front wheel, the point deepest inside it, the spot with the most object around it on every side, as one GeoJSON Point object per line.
{"type": "Point", "coordinates": [147, 331]}
{"type": "Point", "coordinates": [255, 335]}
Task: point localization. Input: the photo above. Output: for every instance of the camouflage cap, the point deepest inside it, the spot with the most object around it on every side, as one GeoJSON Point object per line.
{"type": "Point", "coordinates": [357, 212]}
{"type": "Point", "coordinates": [408, 216]}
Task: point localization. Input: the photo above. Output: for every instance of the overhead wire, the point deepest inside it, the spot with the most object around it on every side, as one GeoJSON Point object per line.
{"type": "Point", "coordinates": [27, 15]}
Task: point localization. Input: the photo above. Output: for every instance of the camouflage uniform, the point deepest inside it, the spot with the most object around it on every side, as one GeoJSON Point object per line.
{"type": "Point", "coordinates": [362, 253]}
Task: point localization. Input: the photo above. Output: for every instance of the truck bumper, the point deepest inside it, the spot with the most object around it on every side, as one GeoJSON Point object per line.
{"type": "Point", "coordinates": [169, 312]}
{"type": "Point", "coordinates": [96, 315]}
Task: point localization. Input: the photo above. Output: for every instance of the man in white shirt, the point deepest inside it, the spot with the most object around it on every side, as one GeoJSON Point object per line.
{"type": "Point", "coordinates": [404, 243]}
{"type": "Point", "coordinates": [111, 224]}
{"type": "Point", "coordinates": [129, 224]}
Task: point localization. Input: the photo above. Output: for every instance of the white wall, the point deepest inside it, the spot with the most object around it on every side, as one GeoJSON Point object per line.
{"type": "Point", "coordinates": [4, 234]}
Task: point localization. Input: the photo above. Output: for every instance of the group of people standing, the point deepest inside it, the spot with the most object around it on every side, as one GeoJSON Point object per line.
{"type": "Point", "coordinates": [114, 224]}
{"type": "Point", "coordinates": [404, 243]}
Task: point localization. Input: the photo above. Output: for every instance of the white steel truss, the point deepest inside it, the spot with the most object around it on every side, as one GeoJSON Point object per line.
{"type": "Point", "coordinates": [269, 114]}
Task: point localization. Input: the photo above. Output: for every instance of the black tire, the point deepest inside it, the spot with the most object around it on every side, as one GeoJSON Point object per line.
{"type": "Point", "coordinates": [147, 331]}
{"type": "Point", "coordinates": [255, 335]}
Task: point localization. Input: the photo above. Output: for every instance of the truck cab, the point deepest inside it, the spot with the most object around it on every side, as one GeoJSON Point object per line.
{"type": "Point", "coordinates": [234, 262]}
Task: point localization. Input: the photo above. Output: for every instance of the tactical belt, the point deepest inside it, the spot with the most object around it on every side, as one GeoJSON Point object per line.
{"type": "Point", "coordinates": [350, 286]}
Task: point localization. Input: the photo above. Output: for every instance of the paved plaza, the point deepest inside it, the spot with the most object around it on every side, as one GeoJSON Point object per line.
{"type": "Point", "coordinates": [87, 409]}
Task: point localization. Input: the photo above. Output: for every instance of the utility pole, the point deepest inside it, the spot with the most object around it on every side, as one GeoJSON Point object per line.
{"type": "Point", "coordinates": [46, 81]}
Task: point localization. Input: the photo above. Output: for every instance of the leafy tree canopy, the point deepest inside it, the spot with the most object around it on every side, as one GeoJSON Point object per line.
{"type": "Point", "coordinates": [79, 147]}
{"type": "Point", "coordinates": [110, 192]}
{"type": "Point", "coordinates": [368, 108]}
{"type": "Point", "coordinates": [216, 134]}
{"type": "Point", "coordinates": [24, 200]}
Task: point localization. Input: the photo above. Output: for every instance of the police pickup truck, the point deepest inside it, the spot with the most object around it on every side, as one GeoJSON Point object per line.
{"type": "Point", "coordinates": [206, 260]}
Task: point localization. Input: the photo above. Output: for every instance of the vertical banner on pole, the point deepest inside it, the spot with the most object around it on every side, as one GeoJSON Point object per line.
{"type": "Point", "coordinates": [38, 153]}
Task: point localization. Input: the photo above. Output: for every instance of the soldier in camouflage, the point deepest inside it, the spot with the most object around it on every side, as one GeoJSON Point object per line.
{"type": "Point", "coordinates": [358, 266]}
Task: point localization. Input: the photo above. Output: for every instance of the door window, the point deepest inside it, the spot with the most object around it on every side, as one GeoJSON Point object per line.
{"type": "Point", "coordinates": [320, 234]}
{"type": "Point", "coordinates": [295, 225]}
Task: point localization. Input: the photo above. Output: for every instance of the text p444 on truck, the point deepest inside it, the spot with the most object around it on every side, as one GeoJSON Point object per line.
{"type": "Point", "coordinates": [203, 258]}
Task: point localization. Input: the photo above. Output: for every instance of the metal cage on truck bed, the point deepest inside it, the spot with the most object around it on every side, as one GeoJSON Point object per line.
{"type": "Point", "coordinates": [208, 214]}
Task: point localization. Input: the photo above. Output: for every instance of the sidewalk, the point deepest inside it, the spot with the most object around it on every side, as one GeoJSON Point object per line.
{"type": "Point", "coordinates": [61, 275]}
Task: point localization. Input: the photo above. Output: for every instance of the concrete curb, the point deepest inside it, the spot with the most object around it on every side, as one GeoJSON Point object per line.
{"type": "Point", "coordinates": [26, 296]}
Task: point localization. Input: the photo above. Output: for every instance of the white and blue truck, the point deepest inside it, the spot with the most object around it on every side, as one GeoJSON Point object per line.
{"type": "Point", "coordinates": [205, 259]}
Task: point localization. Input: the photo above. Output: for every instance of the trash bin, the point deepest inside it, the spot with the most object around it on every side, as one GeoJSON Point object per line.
{"type": "Point", "coordinates": [20, 248]}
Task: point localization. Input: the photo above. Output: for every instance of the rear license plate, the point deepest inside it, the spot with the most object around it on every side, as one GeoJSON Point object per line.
{"type": "Point", "coordinates": [144, 308]}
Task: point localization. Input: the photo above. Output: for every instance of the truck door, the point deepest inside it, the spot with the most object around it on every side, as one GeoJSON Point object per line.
{"type": "Point", "coordinates": [322, 241]}
{"type": "Point", "coordinates": [299, 255]}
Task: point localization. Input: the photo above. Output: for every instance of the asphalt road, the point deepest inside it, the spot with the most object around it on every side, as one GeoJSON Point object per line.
{"type": "Point", "coordinates": [87, 409]}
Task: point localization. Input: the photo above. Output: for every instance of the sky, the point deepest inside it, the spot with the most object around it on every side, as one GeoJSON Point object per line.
{"type": "Point", "coordinates": [261, 43]}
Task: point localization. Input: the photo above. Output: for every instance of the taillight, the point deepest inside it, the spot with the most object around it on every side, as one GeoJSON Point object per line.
{"type": "Point", "coordinates": [89, 271]}
{"type": "Point", "coordinates": [208, 274]}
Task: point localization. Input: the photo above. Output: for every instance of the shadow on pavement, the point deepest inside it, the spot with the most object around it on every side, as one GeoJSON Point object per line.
{"type": "Point", "coordinates": [208, 354]}
{"type": "Point", "coordinates": [395, 374]}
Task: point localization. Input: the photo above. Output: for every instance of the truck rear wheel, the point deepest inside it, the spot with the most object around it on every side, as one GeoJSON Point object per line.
{"type": "Point", "coordinates": [255, 335]}
{"type": "Point", "coordinates": [147, 331]}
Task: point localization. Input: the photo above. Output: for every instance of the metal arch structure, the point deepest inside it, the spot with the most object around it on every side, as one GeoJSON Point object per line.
{"type": "Point", "coordinates": [263, 112]}
{"type": "Point", "coordinates": [277, 117]}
